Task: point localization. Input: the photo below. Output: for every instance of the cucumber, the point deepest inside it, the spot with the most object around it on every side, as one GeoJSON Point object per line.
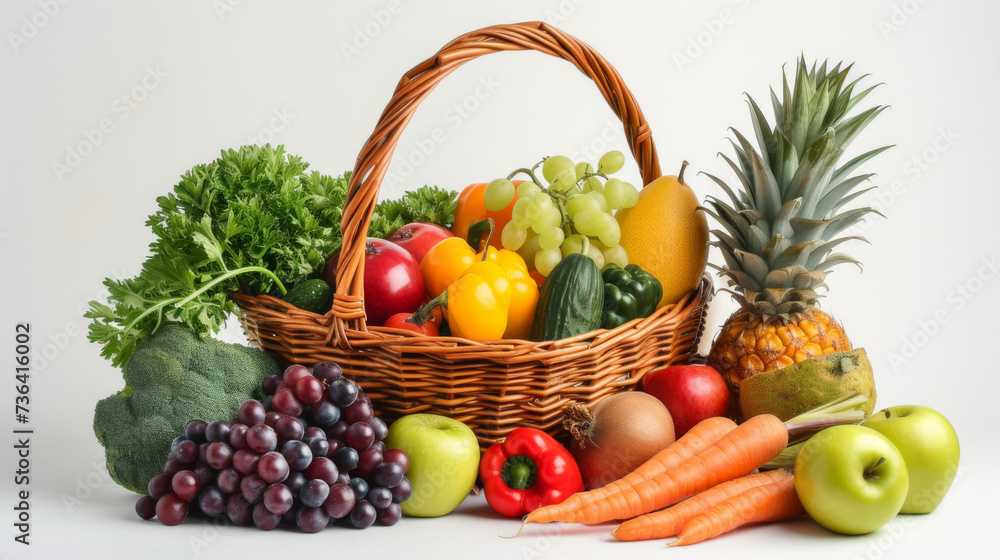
{"type": "Point", "coordinates": [312, 295]}
{"type": "Point", "coordinates": [570, 301]}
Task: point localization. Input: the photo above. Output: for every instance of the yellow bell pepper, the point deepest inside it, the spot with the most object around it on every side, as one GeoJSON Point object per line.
{"type": "Point", "coordinates": [475, 310]}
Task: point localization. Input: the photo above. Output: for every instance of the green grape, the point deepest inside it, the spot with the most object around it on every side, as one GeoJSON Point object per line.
{"type": "Point", "coordinates": [592, 222]}
{"type": "Point", "coordinates": [520, 213]}
{"type": "Point", "coordinates": [611, 162]}
{"type": "Point", "coordinates": [564, 181]}
{"type": "Point", "coordinates": [528, 250]}
{"type": "Point", "coordinates": [541, 203]}
{"type": "Point", "coordinates": [546, 260]}
{"type": "Point", "coordinates": [551, 238]}
{"type": "Point", "coordinates": [582, 169]}
{"type": "Point", "coordinates": [614, 193]}
{"type": "Point", "coordinates": [552, 219]}
{"type": "Point", "coordinates": [572, 244]}
{"type": "Point", "coordinates": [631, 195]}
{"type": "Point", "coordinates": [595, 255]}
{"type": "Point", "coordinates": [615, 255]}
{"type": "Point", "coordinates": [555, 165]}
{"type": "Point", "coordinates": [612, 235]}
{"type": "Point", "coordinates": [512, 236]}
{"type": "Point", "coordinates": [528, 189]}
{"type": "Point", "coordinates": [581, 202]}
{"type": "Point", "coordinates": [498, 195]}
{"type": "Point", "coordinates": [593, 184]}
{"type": "Point", "coordinates": [602, 201]}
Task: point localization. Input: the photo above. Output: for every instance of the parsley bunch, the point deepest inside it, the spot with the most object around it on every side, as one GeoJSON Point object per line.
{"type": "Point", "coordinates": [251, 221]}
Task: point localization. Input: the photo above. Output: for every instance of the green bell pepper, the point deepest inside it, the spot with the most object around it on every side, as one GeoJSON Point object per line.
{"type": "Point", "coordinates": [629, 293]}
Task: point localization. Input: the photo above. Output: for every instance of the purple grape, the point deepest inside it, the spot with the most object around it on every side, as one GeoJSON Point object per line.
{"type": "Point", "coordinates": [327, 371]}
{"type": "Point", "coordinates": [145, 508]}
{"type": "Point", "coordinates": [219, 455]}
{"type": "Point", "coordinates": [272, 417]}
{"type": "Point", "coordinates": [264, 519]}
{"type": "Point", "coordinates": [289, 428]}
{"type": "Point", "coordinates": [187, 452]}
{"type": "Point", "coordinates": [332, 445]}
{"type": "Point", "coordinates": [309, 390]}
{"type": "Point", "coordinates": [295, 482]}
{"type": "Point", "coordinates": [402, 491]}
{"type": "Point", "coordinates": [346, 459]}
{"type": "Point", "coordinates": [238, 509]}
{"type": "Point", "coordinates": [314, 493]}
{"type": "Point", "coordinates": [267, 402]}
{"type": "Point", "coordinates": [390, 515]}
{"type": "Point", "coordinates": [288, 518]}
{"type": "Point", "coordinates": [212, 501]}
{"type": "Point", "coordinates": [229, 480]}
{"type": "Point", "coordinates": [270, 384]}
{"type": "Point", "coordinates": [342, 392]}
{"type": "Point", "coordinates": [360, 487]}
{"type": "Point", "coordinates": [319, 446]}
{"type": "Point", "coordinates": [238, 436]}
{"type": "Point", "coordinates": [324, 413]}
{"type": "Point", "coordinates": [252, 487]}
{"type": "Point", "coordinates": [206, 474]}
{"type": "Point", "coordinates": [381, 430]}
{"type": "Point", "coordinates": [159, 485]}
{"type": "Point", "coordinates": [323, 469]}
{"type": "Point", "coordinates": [387, 474]}
{"type": "Point", "coordinates": [368, 460]}
{"type": "Point", "coordinates": [314, 432]}
{"type": "Point", "coordinates": [278, 498]}
{"type": "Point", "coordinates": [311, 519]}
{"type": "Point", "coordinates": [174, 465]}
{"type": "Point", "coordinates": [195, 431]}
{"type": "Point", "coordinates": [251, 412]}
{"type": "Point", "coordinates": [297, 454]}
{"type": "Point", "coordinates": [360, 411]}
{"type": "Point", "coordinates": [359, 435]}
{"type": "Point", "coordinates": [171, 509]}
{"type": "Point", "coordinates": [272, 467]}
{"type": "Point", "coordinates": [286, 402]}
{"type": "Point", "coordinates": [217, 430]}
{"type": "Point", "coordinates": [340, 501]}
{"type": "Point", "coordinates": [262, 438]}
{"type": "Point", "coordinates": [379, 496]}
{"type": "Point", "coordinates": [363, 515]}
{"type": "Point", "coordinates": [397, 456]}
{"type": "Point", "coordinates": [344, 478]}
{"type": "Point", "coordinates": [203, 452]}
{"type": "Point", "coordinates": [173, 446]}
{"type": "Point", "coordinates": [378, 446]}
{"type": "Point", "coordinates": [245, 461]}
{"type": "Point", "coordinates": [337, 430]}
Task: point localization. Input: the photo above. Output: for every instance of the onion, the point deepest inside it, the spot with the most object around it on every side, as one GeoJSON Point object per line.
{"type": "Point", "coordinates": [617, 434]}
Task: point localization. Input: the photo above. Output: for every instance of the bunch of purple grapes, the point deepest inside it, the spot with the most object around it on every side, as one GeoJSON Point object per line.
{"type": "Point", "coordinates": [310, 455]}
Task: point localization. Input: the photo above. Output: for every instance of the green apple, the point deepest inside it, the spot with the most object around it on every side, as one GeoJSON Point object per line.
{"type": "Point", "coordinates": [850, 479]}
{"type": "Point", "coordinates": [444, 462]}
{"type": "Point", "coordinates": [929, 446]}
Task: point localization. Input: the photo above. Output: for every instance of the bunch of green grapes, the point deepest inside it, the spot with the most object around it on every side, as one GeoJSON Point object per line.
{"type": "Point", "coordinates": [573, 213]}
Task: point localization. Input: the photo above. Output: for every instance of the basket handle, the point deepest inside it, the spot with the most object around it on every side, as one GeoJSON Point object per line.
{"type": "Point", "coordinates": [413, 87]}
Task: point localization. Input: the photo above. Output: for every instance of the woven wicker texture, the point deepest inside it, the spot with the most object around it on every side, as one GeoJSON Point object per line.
{"type": "Point", "coordinates": [496, 386]}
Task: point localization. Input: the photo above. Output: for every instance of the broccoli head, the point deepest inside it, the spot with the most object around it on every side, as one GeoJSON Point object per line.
{"type": "Point", "coordinates": [175, 377]}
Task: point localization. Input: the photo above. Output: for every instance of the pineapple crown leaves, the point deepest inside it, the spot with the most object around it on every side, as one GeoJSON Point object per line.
{"type": "Point", "coordinates": [782, 219]}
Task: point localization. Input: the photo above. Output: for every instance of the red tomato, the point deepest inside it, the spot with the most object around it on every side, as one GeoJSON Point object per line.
{"type": "Point", "coordinates": [393, 283]}
{"type": "Point", "coordinates": [471, 208]}
{"type": "Point", "coordinates": [399, 321]}
{"type": "Point", "coordinates": [417, 238]}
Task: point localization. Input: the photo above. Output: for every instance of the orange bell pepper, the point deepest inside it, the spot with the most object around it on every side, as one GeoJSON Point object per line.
{"type": "Point", "coordinates": [471, 209]}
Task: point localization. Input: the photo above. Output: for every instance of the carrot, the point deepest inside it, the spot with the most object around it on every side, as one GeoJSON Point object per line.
{"type": "Point", "coordinates": [747, 447]}
{"type": "Point", "coordinates": [696, 439]}
{"type": "Point", "coordinates": [776, 501]}
{"type": "Point", "coordinates": [668, 522]}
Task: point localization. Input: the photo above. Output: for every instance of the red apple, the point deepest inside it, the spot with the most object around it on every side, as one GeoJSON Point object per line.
{"type": "Point", "coordinates": [417, 238]}
{"type": "Point", "coordinates": [691, 393]}
{"type": "Point", "coordinates": [393, 283]}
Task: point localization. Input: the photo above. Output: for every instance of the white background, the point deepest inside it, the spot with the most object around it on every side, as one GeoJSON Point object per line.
{"type": "Point", "coordinates": [179, 81]}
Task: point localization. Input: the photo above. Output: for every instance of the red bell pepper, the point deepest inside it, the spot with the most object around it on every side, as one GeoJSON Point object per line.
{"type": "Point", "coordinates": [526, 471]}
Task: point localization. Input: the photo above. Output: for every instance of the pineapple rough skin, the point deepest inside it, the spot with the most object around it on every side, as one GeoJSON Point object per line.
{"type": "Point", "coordinates": [174, 378]}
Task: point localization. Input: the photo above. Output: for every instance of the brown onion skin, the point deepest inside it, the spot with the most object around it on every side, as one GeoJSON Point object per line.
{"type": "Point", "coordinates": [612, 437]}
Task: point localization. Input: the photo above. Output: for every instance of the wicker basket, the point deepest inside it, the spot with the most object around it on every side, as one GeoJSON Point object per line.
{"type": "Point", "coordinates": [496, 386]}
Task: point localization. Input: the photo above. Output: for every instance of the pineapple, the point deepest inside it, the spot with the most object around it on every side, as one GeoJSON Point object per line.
{"type": "Point", "coordinates": [783, 220]}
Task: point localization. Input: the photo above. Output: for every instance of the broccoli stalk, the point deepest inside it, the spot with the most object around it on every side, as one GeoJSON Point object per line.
{"type": "Point", "coordinates": [175, 377]}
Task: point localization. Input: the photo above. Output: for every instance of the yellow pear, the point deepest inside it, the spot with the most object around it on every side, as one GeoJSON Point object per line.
{"type": "Point", "coordinates": [666, 235]}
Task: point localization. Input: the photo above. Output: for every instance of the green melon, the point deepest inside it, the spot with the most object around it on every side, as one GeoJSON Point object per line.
{"type": "Point", "coordinates": [790, 391]}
